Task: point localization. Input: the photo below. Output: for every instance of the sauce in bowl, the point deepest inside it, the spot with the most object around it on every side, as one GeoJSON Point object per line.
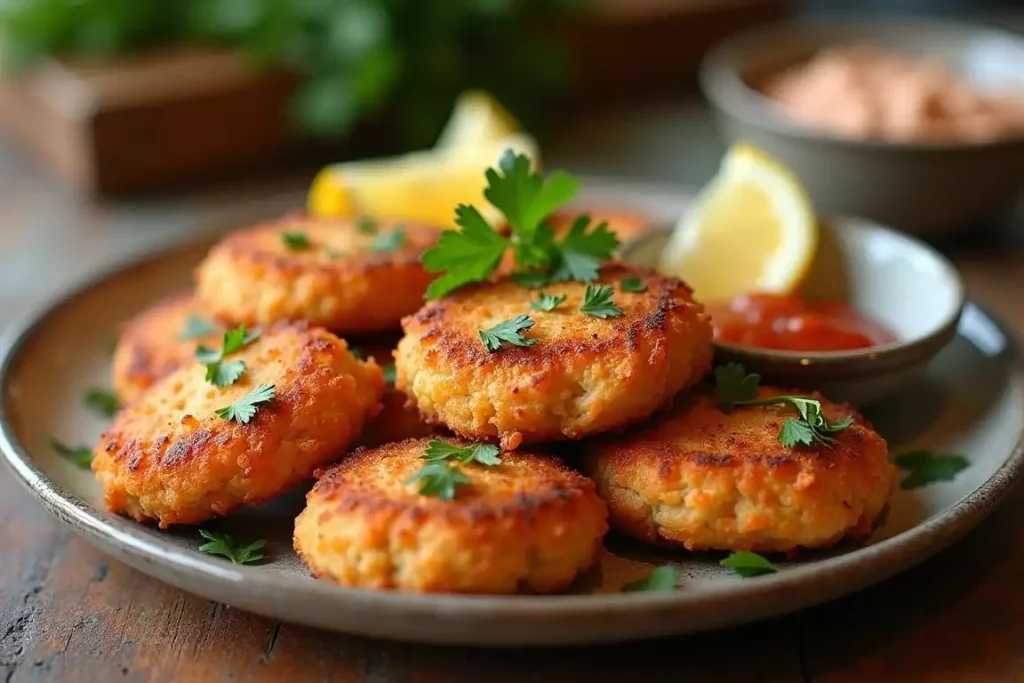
{"type": "Point", "coordinates": [789, 323]}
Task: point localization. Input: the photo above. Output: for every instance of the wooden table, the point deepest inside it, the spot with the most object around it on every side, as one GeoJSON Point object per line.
{"type": "Point", "coordinates": [68, 612]}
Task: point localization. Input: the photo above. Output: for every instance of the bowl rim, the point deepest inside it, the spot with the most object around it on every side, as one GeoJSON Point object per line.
{"type": "Point", "coordinates": [724, 87]}
{"type": "Point", "coordinates": [877, 356]}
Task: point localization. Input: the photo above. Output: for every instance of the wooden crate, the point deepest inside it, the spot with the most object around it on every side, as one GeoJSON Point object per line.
{"type": "Point", "coordinates": [156, 121]}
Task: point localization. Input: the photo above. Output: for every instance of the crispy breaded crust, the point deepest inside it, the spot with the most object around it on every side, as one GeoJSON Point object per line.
{"type": "Point", "coordinates": [530, 524]}
{"type": "Point", "coordinates": [169, 458]}
{"type": "Point", "coordinates": [701, 479]}
{"type": "Point", "coordinates": [149, 345]}
{"type": "Point", "coordinates": [584, 375]}
{"type": "Point", "coordinates": [338, 283]}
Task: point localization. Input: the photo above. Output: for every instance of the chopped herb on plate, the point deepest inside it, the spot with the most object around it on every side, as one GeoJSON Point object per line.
{"type": "Point", "coordinates": [597, 302]}
{"type": "Point", "coordinates": [508, 332]}
{"type": "Point", "coordinates": [102, 401]}
{"type": "Point", "coordinates": [79, 455]}
{"type": "Point", "coordinates": [547, 302]}
{"type": "Point", "coordinates": [661, 580]}
{"type": "Point", "coordinates": [245, 408]}
{"type": "Point", "coordinates": [926, 468]}
{"type": "Point", "coordinates": [225, 546]}
{"type": "Point", "coordinates": [748, 564]}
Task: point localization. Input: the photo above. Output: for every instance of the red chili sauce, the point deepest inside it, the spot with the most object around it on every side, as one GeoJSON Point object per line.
{"type": "Point", "coordinates": [788, 323]}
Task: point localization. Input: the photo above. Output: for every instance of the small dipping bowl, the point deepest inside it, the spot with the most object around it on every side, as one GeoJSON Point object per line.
{"type": "Point", "coordinates": [886, 275]}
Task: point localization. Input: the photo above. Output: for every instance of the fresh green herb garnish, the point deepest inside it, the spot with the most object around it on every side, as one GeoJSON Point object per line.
{"type": "Point", "coordinates": [366, 225]}
{"type": "Point", "coordinates": [440, 477]}
{"type": "Point", "coordinates": [661, 580]}
{"type": "Point", "coordinates": [220, 372]}
{"type": "Point", "coordinates": [103, 401]}
{"type": "Point", "coordinates": [597, 302]}
{"type": "Point", "coordinates": [295, 241]}
{"type": "Point", "coordinates": [483, 453]}
{"type": "Point", "coordinates": [926, 468]}
{"type": "Point", "coordinates": [222, 544]}
{"type": "Point", "coordinates": [196, 327]}
{"type": "Point", "coordinates": [734, 388]}
{"type": "Point", "coordinates": [79, 455]}
{"type": "Point", "coordinates": [244, 408]}
{"type": "Point", "coordinates": [547, 302]}
{"type": "Point", "coordinates": [508, 331]}
{"type": "Point", "coordinates": [389, 373]}
{"type": "Point", "coordinates": [526, 199]}
{"type": "Point", "coordinates": [633, 284]}
{"type": "Point", "coordinates": [748, 564]}
{"type": "Point", "coordinates": [387, 242]}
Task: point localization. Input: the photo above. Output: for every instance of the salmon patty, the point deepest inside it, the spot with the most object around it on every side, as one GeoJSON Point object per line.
{"type": "Point", "coordinates": [702, 479]}
{"type": "Point", "coordinates": [157, 341]}
{"type": "Point", "coordinates": [351, 277]}
{"type": "Point", "coordinates": [528, 524]}
{"type": "Point", "coordinates": [580, 375]}
{"type": "Point", "coordinates": [175, 457]}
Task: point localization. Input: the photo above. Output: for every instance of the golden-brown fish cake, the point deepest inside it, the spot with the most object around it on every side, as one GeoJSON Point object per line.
{"type": "Point", "coordinates": [529, 524]}
{"type": "Point", "coordinates": [155, 342]}
{"type": "Point", "coordinates": [706, 480]}
{"type": "Point", "coordinates": [169, 458]}
{"type": "Point", "coordinates": [583, 375]}
{"type": "Point", "coordinates": [344, 279]}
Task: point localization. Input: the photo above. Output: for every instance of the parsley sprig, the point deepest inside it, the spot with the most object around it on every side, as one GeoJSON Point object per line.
{"type": "Point", "coordinates": [79, 455]}
{"type": "Point", "coordinates": [526, 199]}
{"type": "Point", "coordinates": [508, 332]}
{"type": "Point", "coordinates": [225, 546]}
{"type": "Point", "coordinates": [597, 302]}
{"type": "Point", "coordinates": [295, 241]}
{"type": "Point", "coordinates": [195, 327]}
{"type": "Point", "coordinates": [925, 468]}
{"type": "Point", "coordinates": [748, 564]}
{"type": "Point", "coordinates": [548, 302]}
{"type": "Point", "coordinates": [102, 401]}
{"type": "Point", "coordinates": [735, 388]}
{"type": "Point", "coordinates": [221, 372]}
{"type": "Point", "coordinates": [441, 476]}
{"type": "Point", "coordinates": [245, 408]}
{"type": "Point", "coordinates": [660, 580]}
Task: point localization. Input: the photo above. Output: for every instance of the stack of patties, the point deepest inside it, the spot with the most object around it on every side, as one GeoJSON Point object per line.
{"type": "Point", "coordinates": [235, 393]}
{"type": "Point", "coordinates": [556, 343]}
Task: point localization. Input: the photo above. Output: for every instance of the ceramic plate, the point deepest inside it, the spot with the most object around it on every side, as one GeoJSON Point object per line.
{"type": "Point", "coordinates": [971, 402]}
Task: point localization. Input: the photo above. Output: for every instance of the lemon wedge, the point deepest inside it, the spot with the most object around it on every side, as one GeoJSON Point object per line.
{"type": "Point", "coordinates": [751, 229]}
{"type": "Point", "coordinates": [420, 187]}
{"type": "Point", "coordinates": [426, 186]}
{"type": "Point", "coordinates": [477, 119]}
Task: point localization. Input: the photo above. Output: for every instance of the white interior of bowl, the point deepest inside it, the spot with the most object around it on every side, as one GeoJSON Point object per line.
{"type": "Point", "coordinates": [895, 279]}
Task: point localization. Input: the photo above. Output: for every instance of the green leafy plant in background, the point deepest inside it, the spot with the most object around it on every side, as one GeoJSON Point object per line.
{"type": "Point", "coordinates": [359, 59]}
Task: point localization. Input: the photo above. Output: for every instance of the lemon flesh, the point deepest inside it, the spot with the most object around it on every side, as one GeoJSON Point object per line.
{"type": "Point", "coordinates": [751, 229]}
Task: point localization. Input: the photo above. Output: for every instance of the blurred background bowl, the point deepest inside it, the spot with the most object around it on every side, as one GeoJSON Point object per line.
{"type": "Point", "coordinates": [926, 189]}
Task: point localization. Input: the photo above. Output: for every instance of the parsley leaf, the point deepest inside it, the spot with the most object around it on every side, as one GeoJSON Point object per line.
{"type": "Point", "coordinates": [466, 256]}
{"type": "Point", "coordinates": [244, 408]}
{"type": "Point", "coordinates": [508, 331]}
{"type": "Point", "coordinates": [926, 468]}
{"type": "Point", "coordinates": [661, 580]}
{"type": "Point", "coordinates": [366, 225]}
{"type": "Point", "coordinates": [633, 284]}
{"type": "Point", "coordinates": [734, 387]}
{"type": "Point", "coordinates": [103, 402]}
{"type": "Point", "coordinates": [524, 197]}
{"type": "Point", "coordinates": [79, 455]}
{"type": "Point", "coordinates": [223, 373]}
{"type": "Point", "coordinates": [748, 564]}
{"type": "Point", "coordinates": [387, 242]}
{"type": "Point", "coordinates": [580, 252]}
{"type": "Point", "coordinates": [438, 479]}
{"type": "Point", "coordinates": [389, 373]}
{"type": "Point", "coordinates": [295, 241]}
{"type": "Point", "coordinates": [547, 302]}
{"type": "Point", "coordinates": [483, 453]}
{"type": "Point", "coordinates": [222, 544]}
{"type": "Point", "coordinates": [196, 327]}
{"type": "Point", "coordinates": [597, 302]}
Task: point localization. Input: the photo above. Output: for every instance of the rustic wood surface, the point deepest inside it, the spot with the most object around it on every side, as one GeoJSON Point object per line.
{"type": "Point", "coordinates": [68, 612]}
